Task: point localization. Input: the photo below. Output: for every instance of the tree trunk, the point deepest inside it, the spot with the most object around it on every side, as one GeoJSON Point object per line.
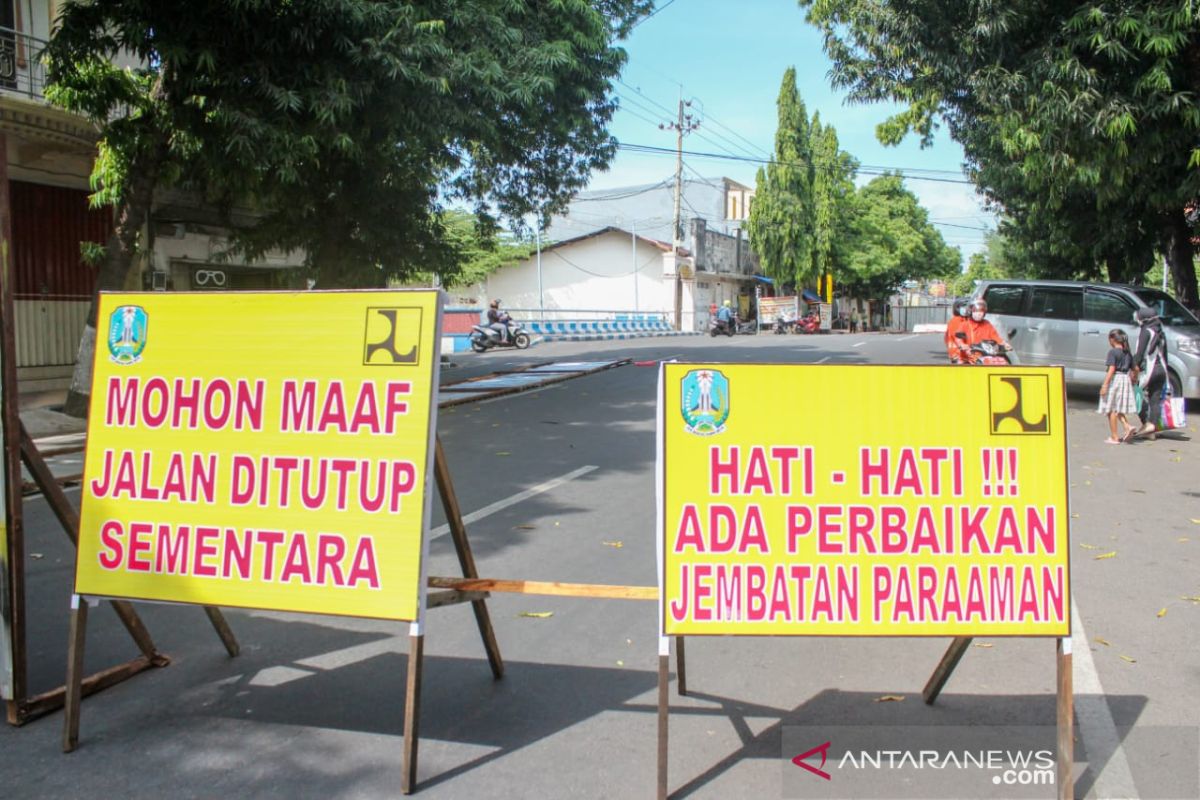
{"type": "Point", "coordinates": [1181, 256]}
{"type": "Point", "coordinates": [131, 214]}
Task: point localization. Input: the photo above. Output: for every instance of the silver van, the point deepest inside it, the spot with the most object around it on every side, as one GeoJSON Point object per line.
{"type": "Point", "coordinates": [1067, 323]}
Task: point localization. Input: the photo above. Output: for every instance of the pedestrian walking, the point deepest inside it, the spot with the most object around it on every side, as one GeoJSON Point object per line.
{"type": "Point", "coordinates": [1116, 393]}
{"type": "Point", "coordinates": [855, 319]}
{"type": "Point", "coordinates": [1150, 360]}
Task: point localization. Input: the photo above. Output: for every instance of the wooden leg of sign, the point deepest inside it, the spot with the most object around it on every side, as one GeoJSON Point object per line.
{"type": "Point", "coordinates": [680, 668]}
{"type": "Point", "coordinates": [946, 666]}
{"type": "Point", "coordinates": [74, 688]}
{"type": "Point", "coordinates": [412, 709]}
{"type": "Point", "coordinates": [466, 559]}
{"type": "Point", "coordinates": [664, 675]}
{"type": "Point", "coordinates": [56, 498]}
{"type": "Point", "coordinates": [223, 630]}
{"type": "Point", "coordinates": [1066, 722]}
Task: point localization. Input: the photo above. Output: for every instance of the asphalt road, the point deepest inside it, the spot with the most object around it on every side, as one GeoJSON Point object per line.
{"type": "Point", "coordinates": [314, 705]}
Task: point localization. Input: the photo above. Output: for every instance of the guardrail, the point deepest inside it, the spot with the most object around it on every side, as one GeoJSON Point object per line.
{"type": "Point", "coordinates": [21, 67]}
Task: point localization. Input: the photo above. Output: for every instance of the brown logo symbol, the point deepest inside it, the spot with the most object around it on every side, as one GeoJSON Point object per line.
{"type": "Point", "coordinates": [393, 336]}
{"type": "Point", "coordinates": [1019, 405]}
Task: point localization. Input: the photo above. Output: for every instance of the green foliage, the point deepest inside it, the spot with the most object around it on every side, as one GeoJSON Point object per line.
{"type": "Point", "coordinates": [996, 260]}
{"type": "Point", "coordinates": [782, 225]}
{"type": "Point", "coordinates": [346, 125]}
{"type": "Point", "coordinates": [1079, 120]}
{"type": "Point", "coordinates": [889, 240]}
{"type": "Point", "coordinates": [479, 251]}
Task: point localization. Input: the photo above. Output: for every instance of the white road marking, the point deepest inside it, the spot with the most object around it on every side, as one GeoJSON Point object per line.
{"type": "Point", "coordinates": [519, 497]}
{"type": "Point", "coordinates": [823, 360]}
{"type": "Point", "coordinates": [859, 344]}
{"type": "Point", "coordinates": [906, 338]}
{"type": "Point", "coordinates": [1096, 726]}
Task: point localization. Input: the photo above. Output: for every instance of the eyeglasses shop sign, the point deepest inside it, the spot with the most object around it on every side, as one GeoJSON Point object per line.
{"type": "Point", "coordinates": [208, 279]}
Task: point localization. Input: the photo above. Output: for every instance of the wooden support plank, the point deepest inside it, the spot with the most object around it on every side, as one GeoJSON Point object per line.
{"type": "Point", "coordinates": [944, 668]}
{"type": "Point", "coordinates": [466, 559]}
{"type": "Point", "coordinates": [412, 710]}
{"type": "Point", "coordinates": [664, 667]}
{"type": "Point", "coordinates": [223, 630]}
{"type": "Point", "coordinates": [53, 700]}
{"type": "Point", "coordinates": [74, 685]}
{"type": "Point", "coordinates": [680, 668]}
{"type": "Point", "coordinates": [552, 588]}
{"type": "Point", "coordinates": [452, 597]}
{"type": "Point", "coordinates": [1066, 722]}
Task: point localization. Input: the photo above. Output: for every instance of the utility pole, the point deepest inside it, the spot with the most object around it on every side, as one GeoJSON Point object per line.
{"type": "Point", "coordinates": [685, 123]}
{"type": "Point", "coordinates": [633, 243]}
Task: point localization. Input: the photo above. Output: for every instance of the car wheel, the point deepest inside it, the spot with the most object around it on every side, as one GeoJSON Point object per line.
{"type": "Point", "coordinates": [1176, 383]}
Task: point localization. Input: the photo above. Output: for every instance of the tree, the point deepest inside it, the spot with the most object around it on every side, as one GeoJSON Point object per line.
{"type": "Point", "coordinates": [994, 261]}
{"type": "Point", "coordinates": [782, 219]}
{"type": "Point", "coordinates": [833, 191]}
{"type": "Point", "coordinates": [1058, 106]}
{"type": "Point", "coordinates": [890, 240]}
{"type": "Point", "coordinates": [478, 251]}
{"type": "Point", "coordinates": [344, 124]}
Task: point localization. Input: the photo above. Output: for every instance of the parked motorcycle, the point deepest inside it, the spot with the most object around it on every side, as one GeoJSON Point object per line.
{"type": "Point", "coordinates": [484, 338]}
{"type": "Point", "coordinates": [783, 325]}
{"type": "Point", "coordinates": [809, 323]}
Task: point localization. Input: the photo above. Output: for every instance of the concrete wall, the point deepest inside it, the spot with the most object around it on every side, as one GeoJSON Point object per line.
{"type": "Point", "coordinates": [595, 273]}
{"type": "Point", "coordinates": [721, 253]}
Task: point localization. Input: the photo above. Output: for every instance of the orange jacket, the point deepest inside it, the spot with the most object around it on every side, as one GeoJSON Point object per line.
{"type": "Point", "coordinates": [976, 333]}
{"type": "Point", "coordinates": [955, 324]}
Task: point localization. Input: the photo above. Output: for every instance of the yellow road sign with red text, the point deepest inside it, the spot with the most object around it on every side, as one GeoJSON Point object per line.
{"type": "Point", "coordinates": [261, 449]}
{"type": "Point", "coordinates": [830, 500]}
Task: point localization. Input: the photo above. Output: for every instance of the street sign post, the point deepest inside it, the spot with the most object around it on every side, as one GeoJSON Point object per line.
{"type": "Point", "coordinates": [806, 500]}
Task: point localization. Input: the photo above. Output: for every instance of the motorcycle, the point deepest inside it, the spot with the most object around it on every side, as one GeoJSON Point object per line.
{"type": "Point", "coordinates": [988, 353]}
{"type": "Point", "coordinates": [783, 325]}
{"type": "Point", "coordinates": [716, 327]}
{"type": "Point", "coordinates": [809, 323]}
{"type": "Point", "coordinates": [484, 338]}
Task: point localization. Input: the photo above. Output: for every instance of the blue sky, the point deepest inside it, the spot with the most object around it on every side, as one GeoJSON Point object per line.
{"type": "Point", "coordinates": [730, 58]}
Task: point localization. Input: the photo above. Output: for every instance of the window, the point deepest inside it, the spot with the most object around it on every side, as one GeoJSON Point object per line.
{"type": "Point", "coordinates": [1168, 307]}
{"type": "Point", "coordinates": [1055, 303]}
{"type": "Point", "coordinates": [1107, 307]}
{"type": "Point", "coordinates": [733, 207]}
{"type": "Point", "coordinates": [1004, 299]}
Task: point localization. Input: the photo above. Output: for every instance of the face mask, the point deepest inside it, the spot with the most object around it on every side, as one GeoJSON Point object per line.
{"type": "Point", "coordinates": [977, 316]}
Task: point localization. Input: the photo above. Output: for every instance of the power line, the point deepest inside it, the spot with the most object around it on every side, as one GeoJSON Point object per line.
{"type": "Point", "coordinates": [653, 13]}
{"type": "Point", "coordinates": [863, 169]}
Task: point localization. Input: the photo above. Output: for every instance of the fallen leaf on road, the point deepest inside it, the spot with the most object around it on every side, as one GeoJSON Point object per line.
{"type": "Point", "coordinates": [503, 453]}
{"type": "Point", "coordinates": [1162, 612]}
{"type": "Point", "coordinates": [1177, 459]}
{"type": "Point", "coordinates": [617, 544]}
{"type": "Point", "coordinates": [36, 555]}
{"type": "Point", "coordinates": [1087, 546]}
{"type": "Point", "coordinates": [536, 614]}
{"type": "Point", "coordinates": [1129, 659]}
{"type": "Point", "coordinates": [1183, 539]}
{"type": "Point", "coordinates": [1087, 483]}
{"type": "Point", "coordinates": [983, 644]}
{"type": "Point", "coordinates": [1194, 598]}
{"type": "Point", "coordinates": [524, 527]}
{"type": "Point", "coordinates": [1074, 516]}
{"type": "Point", "coordinates": [556, 523]}
{"type": "Point", "coordinates": [890, 698]}
{"type": "Point", "coordinates": [620, 663]}
{"type": "Point", "coordinates": [495, 424]}
{"type": "Point", "coordinates": [1111, 554]}
{"type": "Point", "coordinates": [1103, 641]}
{"type": "Point", "coordinates": [1196, 521]}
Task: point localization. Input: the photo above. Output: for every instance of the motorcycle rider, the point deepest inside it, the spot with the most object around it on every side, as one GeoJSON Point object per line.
{"type": "Point", "coordinates": [498, 320]}
{"type": "Point", "coordinates": [725, 315]}
{"type": "Point", "coordinates": [977, 329]}
{"type": "Point", "coordinates": [962, 312]}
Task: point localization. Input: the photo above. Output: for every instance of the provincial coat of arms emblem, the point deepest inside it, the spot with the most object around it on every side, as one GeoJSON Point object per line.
{"type": "Point", "coordinates": [127, 331]}
{"type": "Point", "coordinates": [705, 401]}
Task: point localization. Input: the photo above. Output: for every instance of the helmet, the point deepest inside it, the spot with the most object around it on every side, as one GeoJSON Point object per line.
{"type": "Point", "coordinates": [726, 304]}
{"type": "Point", "coordinates": [979, 304]}
{"type": "Point", "coordinates": [962, 307]}
{"type": "Point", "coordinates": [495, 304]}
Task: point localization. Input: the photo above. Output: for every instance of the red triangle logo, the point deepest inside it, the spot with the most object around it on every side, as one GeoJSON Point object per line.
{"type": "Point", "coordinates": [823, 749]}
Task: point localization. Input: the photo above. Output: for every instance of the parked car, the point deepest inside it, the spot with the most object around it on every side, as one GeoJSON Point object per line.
{"type": "Point", "coordinates": [1067, 323]}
